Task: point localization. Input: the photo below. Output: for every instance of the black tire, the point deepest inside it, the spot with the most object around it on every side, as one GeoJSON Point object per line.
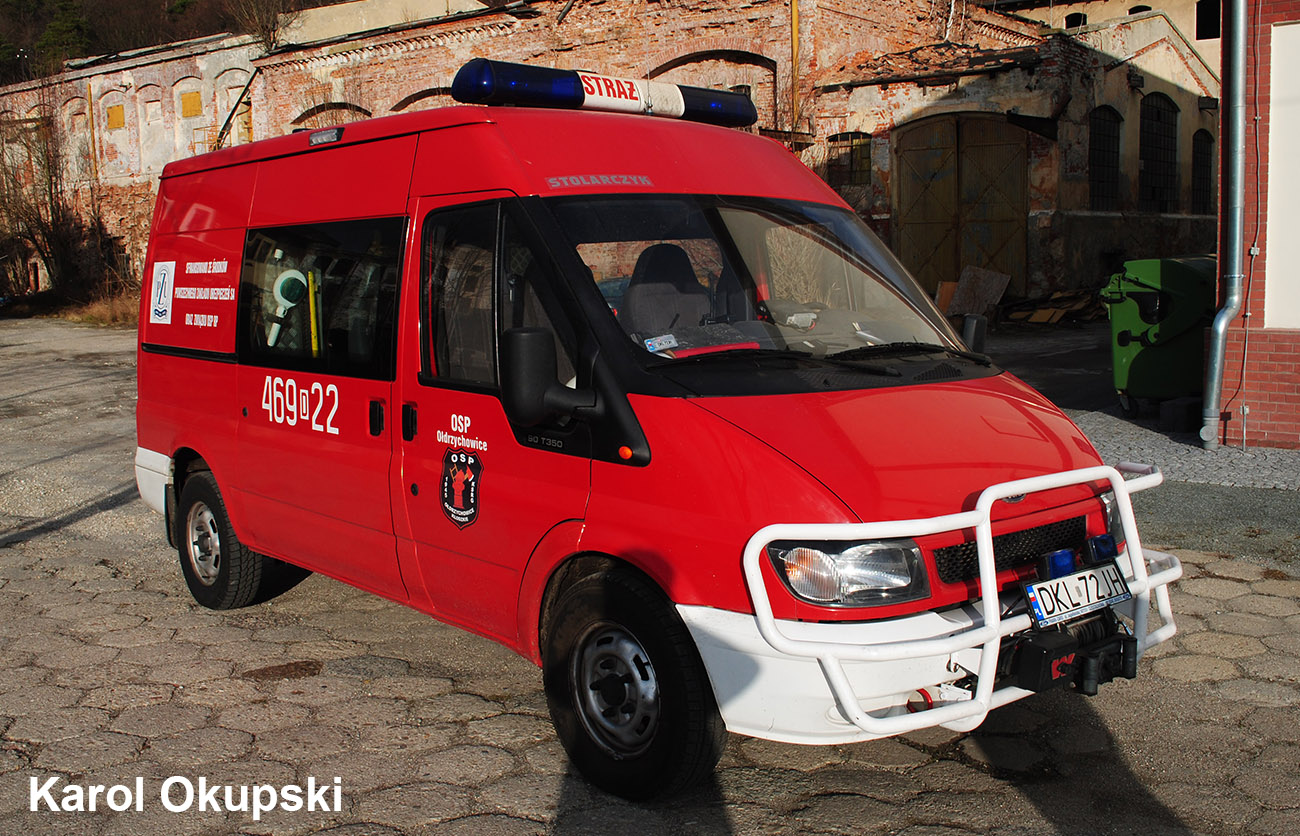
{"type": "Point", "coordinates": [628, 694]}
{"type": "Point", "coordinates": [220, 571]}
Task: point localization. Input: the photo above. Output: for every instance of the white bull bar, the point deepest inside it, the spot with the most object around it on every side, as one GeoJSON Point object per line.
{"type": "Point", "coordinates": [988, 630]}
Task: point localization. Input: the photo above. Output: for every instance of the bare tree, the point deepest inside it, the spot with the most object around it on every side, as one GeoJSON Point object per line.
{"type": "Point", "coordinates": [266, 20]}
{"type": "Point", "coordinates": [40, 213]}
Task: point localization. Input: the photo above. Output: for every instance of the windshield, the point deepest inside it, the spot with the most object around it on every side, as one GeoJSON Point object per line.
{"type": "Point", "coordinates": [689, 275]}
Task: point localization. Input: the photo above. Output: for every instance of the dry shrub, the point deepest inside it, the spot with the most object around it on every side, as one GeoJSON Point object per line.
{"type": "Point", "coordinates": [122, 308]}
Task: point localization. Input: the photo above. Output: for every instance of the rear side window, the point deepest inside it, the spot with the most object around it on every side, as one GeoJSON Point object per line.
{"type": "Point", "coordinates": [322, 297]}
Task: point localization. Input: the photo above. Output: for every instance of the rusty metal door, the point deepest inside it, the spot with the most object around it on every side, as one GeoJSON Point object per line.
{"type": "Point", "coordinates": [962, 198]}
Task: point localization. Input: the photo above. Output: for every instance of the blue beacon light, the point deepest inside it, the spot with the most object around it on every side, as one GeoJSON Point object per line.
{"type": "Point", "coordinates": [483, 81]}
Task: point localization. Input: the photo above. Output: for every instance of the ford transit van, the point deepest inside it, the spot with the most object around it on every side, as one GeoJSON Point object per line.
{"type": "Point", "coordinates": [638, 397]}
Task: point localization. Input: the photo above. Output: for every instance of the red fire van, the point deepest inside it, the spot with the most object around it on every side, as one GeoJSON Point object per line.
{"type": "Point", "coordinates": [639, 398]}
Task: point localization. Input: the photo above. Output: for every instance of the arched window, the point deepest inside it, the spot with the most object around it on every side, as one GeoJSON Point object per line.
{"type": "Point", "coordinates": [1158, 154]}
{"type": "Point", "coordinates": [1103, 159]}
{"type": "Point", "coordinates": [1076, 19]}
{"type": "Point", "coordinates": [1136, 10]}
{"type": "Point", "coordinates": [848, 159]}
{"type": "Point", "coordinates": [1202, 173]}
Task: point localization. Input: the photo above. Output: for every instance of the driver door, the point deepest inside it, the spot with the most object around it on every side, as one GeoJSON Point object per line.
{"type": "Point", "coordinates": [479, 494]}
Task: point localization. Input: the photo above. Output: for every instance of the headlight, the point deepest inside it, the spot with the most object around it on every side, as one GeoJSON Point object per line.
{"type": "Point", "coordinates": [1114, 525]}
{"type": "Point", "coordinates": [852, 574]}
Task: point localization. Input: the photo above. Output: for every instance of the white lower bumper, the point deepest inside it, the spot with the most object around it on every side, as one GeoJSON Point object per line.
{"type": "Point", "coordinates": [153, 473]}
{"type": "Point", "coordinates": [826, 683]}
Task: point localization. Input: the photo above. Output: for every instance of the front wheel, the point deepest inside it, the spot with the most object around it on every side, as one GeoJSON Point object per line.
{"type": "Point", "coordinates": [627, 691]}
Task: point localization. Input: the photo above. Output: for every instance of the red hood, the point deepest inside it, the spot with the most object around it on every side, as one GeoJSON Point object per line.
{"type": "Point", "coordinates": [918, 451]}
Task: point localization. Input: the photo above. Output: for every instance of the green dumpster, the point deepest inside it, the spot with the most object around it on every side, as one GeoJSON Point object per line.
{"type": "Point", "coordinates": [1159, 309]}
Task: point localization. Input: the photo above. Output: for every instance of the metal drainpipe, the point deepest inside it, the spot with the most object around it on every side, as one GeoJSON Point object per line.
{"type": "Point", "coordinates": [794, 65]}
{"type": "Point", "coordinates": [1232, 206]}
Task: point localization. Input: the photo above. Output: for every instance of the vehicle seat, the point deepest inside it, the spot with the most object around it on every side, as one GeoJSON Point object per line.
{"type": "Point", "coordinates": [730, 304]}
{"type": "Point", "coordinates": [663, 293]}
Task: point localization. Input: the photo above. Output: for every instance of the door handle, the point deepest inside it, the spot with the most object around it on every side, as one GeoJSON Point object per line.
{"type": "Point", "coordinates": [409, 427]}
{"type": "Point", "coordinates": [376, 417]}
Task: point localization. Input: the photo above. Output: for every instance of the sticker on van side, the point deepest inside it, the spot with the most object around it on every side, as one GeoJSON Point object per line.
{"type": "Point", "coordinates": [160, 292]}
{"type": "Point", "coordinates": [462, 473]}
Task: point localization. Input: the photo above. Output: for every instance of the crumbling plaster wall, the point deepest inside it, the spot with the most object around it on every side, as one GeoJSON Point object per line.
{"type": "Point", "coordinates": [1069, 245]}
{"type": "Point", "coordinates": [123, 118]}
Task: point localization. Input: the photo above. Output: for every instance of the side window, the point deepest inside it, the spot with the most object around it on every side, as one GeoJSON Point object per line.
{"type": "Point", "coordinates": [322, 297]}
{"type": "Point", "coordinates": [523, 289]}
{"type": "Point", "coordinates": [475, 283]}
{"type": "Point", "coordinates": [456, 304]}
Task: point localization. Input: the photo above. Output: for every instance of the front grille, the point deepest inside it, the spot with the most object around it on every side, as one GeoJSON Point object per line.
{"type": "Point", "coordinates": [1016, 548]}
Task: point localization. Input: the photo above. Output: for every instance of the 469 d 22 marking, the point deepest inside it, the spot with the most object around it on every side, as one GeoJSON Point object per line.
{"type": "Point", "coordinates": [285, 402]}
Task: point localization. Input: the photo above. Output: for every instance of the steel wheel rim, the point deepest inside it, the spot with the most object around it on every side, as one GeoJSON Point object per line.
{"type": "Point", "coordinates": [203, 543]}
{"type": "Point", "coordinates": [616, 690]}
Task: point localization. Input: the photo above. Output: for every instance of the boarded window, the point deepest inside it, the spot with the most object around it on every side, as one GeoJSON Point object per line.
{"type": "Point", "coordinates": [191, 105]}
{"type": "Point", "coordinates": [1202, 173]}
{"type": "Point", "coordinates": [1158, 155]}
{"type": "Point", "coordinates": [1103, 159]}
{"type": "Point", "coordinates": [115, 117]}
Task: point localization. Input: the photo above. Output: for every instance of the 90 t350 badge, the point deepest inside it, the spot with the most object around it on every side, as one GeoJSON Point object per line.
{"type": "Point", "coordinates": [461, 474]}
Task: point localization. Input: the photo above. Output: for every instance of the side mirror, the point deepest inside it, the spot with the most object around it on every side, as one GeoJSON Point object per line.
{"type": "Point", "coordinates": [530, 391]}
{"type": "Point", "coordinates": [974, 330]}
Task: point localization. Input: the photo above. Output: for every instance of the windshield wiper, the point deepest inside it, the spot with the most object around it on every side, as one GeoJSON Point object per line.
{"type": "Point", "coordinates": [729, 354]}
{"type": "Point", "coordinates": [911, 348]}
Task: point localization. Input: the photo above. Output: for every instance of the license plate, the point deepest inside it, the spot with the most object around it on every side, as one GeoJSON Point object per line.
{"type": "Point", "coordinates": [1071, 596]}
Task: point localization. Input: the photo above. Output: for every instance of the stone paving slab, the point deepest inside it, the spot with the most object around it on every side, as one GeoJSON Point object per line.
{"type": "Point", "coordinates": [111, 673]}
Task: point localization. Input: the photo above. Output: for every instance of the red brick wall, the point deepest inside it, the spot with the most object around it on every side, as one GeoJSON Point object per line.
{"type": "Point", "coordinates": [1262, 365]}
{"type": "Point", "coordinates": [616, 38]}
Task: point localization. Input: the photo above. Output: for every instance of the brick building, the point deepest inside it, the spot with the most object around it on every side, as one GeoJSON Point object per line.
{"type": "Point", "coordinates": [1053, 161]}
{"type": "Point", "coordinates": [126, 115]}
{"type": "Point", "coordinates": [1261, 381]}
{"type": "Point", "coordinates": [121, 118]}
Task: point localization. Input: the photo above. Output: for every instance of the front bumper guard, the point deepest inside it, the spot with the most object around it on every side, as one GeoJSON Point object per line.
{"type": "Point", "coordinates": [1145, 576]}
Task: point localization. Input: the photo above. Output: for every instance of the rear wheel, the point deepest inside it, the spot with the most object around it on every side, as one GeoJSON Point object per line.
{"type": "Point", "coordinates": [627, 691]}
{"type": "Point", "coordinates": [220, 572]}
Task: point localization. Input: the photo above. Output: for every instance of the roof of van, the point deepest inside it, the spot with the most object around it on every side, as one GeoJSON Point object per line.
{"type": "Point", "coordinates": [530, 151]}
{"type": "Point", "coordinates": [362, 131]}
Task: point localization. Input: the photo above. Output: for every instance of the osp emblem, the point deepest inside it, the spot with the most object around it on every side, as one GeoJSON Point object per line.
{"type": "Point", "coordinates": [462, 473]}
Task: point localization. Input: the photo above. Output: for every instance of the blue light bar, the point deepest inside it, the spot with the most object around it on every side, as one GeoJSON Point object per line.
{"type": "Point", "coordinates": [482, 81]}
{"type": "Point", "coordinates": [495, 82]}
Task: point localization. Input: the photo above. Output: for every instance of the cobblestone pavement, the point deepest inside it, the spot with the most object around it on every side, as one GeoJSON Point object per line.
{"type": "Point", "coordinates": [110, 673]}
